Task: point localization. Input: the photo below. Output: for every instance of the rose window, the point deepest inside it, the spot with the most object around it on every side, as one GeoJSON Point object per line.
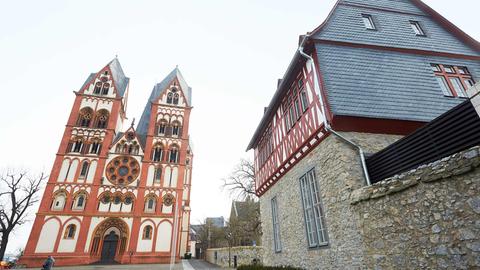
{"type": "Point", "coordinates": [168, 199]}
{"type": "Point", "coordinates": [123, 170]}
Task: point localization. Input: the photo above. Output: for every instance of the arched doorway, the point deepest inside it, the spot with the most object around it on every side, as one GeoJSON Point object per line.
{"type": "Point", "coordinates": [109, 248]}
{"type": "Point", "coordinates": [110, 240]}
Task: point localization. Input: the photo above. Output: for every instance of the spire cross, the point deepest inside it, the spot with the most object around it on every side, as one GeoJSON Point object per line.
{"type": "Point", "coordinates": [133, 122]}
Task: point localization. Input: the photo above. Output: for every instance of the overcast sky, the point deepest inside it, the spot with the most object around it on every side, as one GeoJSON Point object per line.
{"type": "Point", "coordinates": [230, 52]}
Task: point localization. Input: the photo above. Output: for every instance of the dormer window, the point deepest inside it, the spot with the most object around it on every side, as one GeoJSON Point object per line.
{"type": "Point", "coordinates": [417, 28]}
{"type": "Point", "coordinates": [368, 22]}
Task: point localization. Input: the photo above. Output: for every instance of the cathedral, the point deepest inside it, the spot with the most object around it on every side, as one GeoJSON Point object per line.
{"type": "Point", "coordinates": [118, 194]}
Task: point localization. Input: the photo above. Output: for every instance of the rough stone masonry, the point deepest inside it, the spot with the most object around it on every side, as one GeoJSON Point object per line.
{"type": "Point", "coordinates": [427, 218]}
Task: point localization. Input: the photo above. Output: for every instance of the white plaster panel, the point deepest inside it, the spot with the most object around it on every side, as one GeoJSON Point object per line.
{"type": "Point", "coordinates": [167, 177]}
{"type": "Point", "coordinates": [64, 170]}
{"type": "Point", "coordinates": [104, 104]}
{"type": "Point", "coordinates": [145, 245]}
{"type": "Point", "coordinates": [103, 207]}
{"type": "Point", "coordinates": [151, 170]}
{"type": "Point", "coordinates": [72, 171]}
{"type": "Point", "coordinates": [173, 182]}
{"type": "Point", "coordinates": [48, 236]}
{"type": "Point", "coordinates": [115, 207]}
{"type": "Point", "coordinates": [91, 171]}
{"type": "Point", "coordinates": [164, 237]}
{"type": "Point", "coordinates": [88, 102]}
{"type": "Point", "coordinates": [68, 245]}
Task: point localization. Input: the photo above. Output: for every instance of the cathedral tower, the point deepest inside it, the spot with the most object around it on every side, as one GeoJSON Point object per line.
{"type": "Point", "coordinates": [118, 195]}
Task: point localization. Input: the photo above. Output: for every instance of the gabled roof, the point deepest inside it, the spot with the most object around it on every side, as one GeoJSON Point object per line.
{"type": "Point", "coordinates": [157, 91]}
{"type": "Point", "coordinates": [311, 39]}
{"type": "Point", "coordinates": [120, 80]}
{"type": "Point", "coordinates": [140, 137]}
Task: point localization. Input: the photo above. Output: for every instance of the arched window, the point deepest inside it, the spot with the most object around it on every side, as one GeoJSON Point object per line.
{"type": "Point", "coordinates": [175, 98]}
{"type": "Point", "coordinates": [150, 204]}
{"type": "Point", "coordinates": [157, 153]}
{"type": "Point", "coordinates": [157, 174]}
{"type": "Point", "coordinates": [169, 97]}
{"type": "Point", "coordinates": [84, 169]}
{"type": "Point", "coordinates": [118, 148]}
{"type": "Point", "coordinates": [105, 88]}
{"type": "Point", "coordinates": [101, 119]}
{"type": "Point", "coordinates": [70, 231]}
{"type": "Point", "coordinates": [98, 87]}
{"type": "Point", "coordinates": [59, 201]}
{"type": "Point", "coordinates": [136, 148]}
{"type": "Point", "coordinates": [162, 126]}
{"type": "Point", "coordinates": [84, 117]}
{"type": "Point", "coordinates": [176, 128]}
{"type": "Point", "coordinates": [79, 201]}
{"type": "Point", "coordinates": [147, 232]}
{"type": "Point", "coordinates": [174, 155]}
{"type": "Point", "coordinates": [95, 147]}
{"type": "Point", "coordinates": [77, 146]}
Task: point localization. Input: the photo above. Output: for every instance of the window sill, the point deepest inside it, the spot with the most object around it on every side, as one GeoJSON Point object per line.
{"type": "Point", "coordinates": [320, 246]}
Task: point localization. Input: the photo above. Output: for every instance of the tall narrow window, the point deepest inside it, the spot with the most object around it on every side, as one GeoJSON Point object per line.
{"type": "Point", "coordinates": [312, 210]}
{"type": "Point", "coordinates": [277, 245]}
{"type": "Point", "coordinates": [169, 97]}
{"type": "Point", "coordinates": [147, 232]}
{"type": "Point", "coordinates": [162, 127]}
{"type": "Point", "coordinates": [304, 98]}
{"type": "Point", "coordinates": [105, 88]}
{"type": "Point", "coordinates": [77, 146]}
{"type": "Point", "coordinates": [368, 22]}
{"type": "Point", "coordinates": [175, 98]}
{"type": "Point", "coordinates": [417, 28]}
{"type": "Point", "coordinates": [158, 153]}
{"type": "Point", "coordinates": [158, 174]}
{"type": "Point", "coordinates": [80, 201]}
{"type": "Point", "coordinates": [84, 170]}
{"type": "Point", "coordinates": [150, 205]}
{"type": "Point", "coordinates": [98, 88]}
{"type": "Point", "coordinates": [453, 80]}
{"type": "Point", "coordinates": [95, 147]}
{"type": "Point", "coordinates": [173, 158]}
{"type": "Point", "coordinates": [175, 129]}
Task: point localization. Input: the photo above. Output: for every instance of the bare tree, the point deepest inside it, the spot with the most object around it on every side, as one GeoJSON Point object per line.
{"type": "Point", "coordinates": [241, 181]}
{"type": "Point", "coordinates": [18, 192]}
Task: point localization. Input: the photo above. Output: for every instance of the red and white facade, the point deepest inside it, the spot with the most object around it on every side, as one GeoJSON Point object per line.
{"type": "Point", "coordinates": [113, 196]}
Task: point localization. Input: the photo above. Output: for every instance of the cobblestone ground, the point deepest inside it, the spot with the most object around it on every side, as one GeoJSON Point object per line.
{"type": "Point", "coordinates": [201, 265]}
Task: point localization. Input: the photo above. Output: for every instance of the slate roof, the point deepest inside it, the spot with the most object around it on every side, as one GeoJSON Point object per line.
{"type": "Point", "coordinates": [157, 91]}
{"type": "Point", "coordinates": [121, 81]}
{"type": "Point", "coordinates": [379, 83]}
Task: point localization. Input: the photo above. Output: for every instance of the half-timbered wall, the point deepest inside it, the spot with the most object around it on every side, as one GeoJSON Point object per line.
{"type": "Point", "coordinates": [293, 131]}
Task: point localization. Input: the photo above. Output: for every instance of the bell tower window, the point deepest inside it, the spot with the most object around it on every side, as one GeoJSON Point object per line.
{"type": "Point", "coordinates": [105, 88]}
{"type": "Point", "coordinates": [173, 158]}
{"type": "Point", "coordinates": [162, 127]}
{"type": "Point", "coordinates": [77, 146]}
{"type": "Point", "coordinates": [85, 116]}
{"type": "Point", "coordinates": [158, 153]}
{"type": "Point", "coordinates": [84, 170]}
{"type": "Point", "coordinates": [175, 129]}
{"type": "Point", "coordinates": [175, 98]}
{"type": "Point", "coordinates": [95, 147]}
{"type": "Point", "coordinates": [98, 87]}
{"type": "Point", "coordinates": [101, 120]}
{"type": "Point", "coordinates": [169, 98]}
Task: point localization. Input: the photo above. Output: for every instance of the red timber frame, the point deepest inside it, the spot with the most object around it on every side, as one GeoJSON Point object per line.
{"type": "Point", "coordinates": [290, 144]}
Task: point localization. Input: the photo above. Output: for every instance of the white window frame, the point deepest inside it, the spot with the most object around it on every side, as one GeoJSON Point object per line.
{"type": "Point", "coordinates": [277, 244]}
{"type": "Point", "coordinates": [313, 211]}
{"type": "Point", "coordinates": [368, 22]}
{"type": "Point", "coordinates": [417, 28]}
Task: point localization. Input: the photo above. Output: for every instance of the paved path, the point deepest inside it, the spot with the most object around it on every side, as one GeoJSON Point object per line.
{"type": "Point", "coordinates": [201, 265]}
{"type": "Point", "coordinates": [185, 265]}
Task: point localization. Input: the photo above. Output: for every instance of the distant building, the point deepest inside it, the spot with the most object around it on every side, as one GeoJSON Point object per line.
{"type": "Point", "coordinates": [244, 223]}
{"type": "Point", "coordinates": [118, 194]}
{"type": "Point", "coordinates": [218, 222]}
{"type": "Point", "coordinates": [372, 73]}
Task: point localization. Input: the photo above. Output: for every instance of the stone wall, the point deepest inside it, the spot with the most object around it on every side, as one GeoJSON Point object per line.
{"type": "Point", "coordinates": [245, 255]}
{"type": "Point", "coordinates": [425, 218]}
{"type": "Point", "coordinates": [428, 218]}
{"type": "Point", "coordinates": [338, 171]}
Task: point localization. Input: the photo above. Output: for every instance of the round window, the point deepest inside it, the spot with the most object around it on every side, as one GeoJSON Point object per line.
{"type": "Point", "coordinates": [122, 170]}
